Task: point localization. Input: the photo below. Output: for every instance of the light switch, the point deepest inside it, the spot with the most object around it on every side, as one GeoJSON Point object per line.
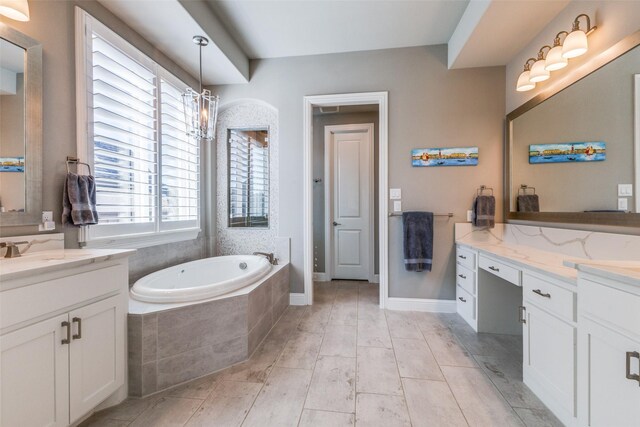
{"type": "Point", "coordinates": [395, 193]}
{"type": "Point", "coordinates": [623, 204]}
{"type": "Point", "coordinates": [397, 206]}
{"type": "Point", "coordinates": [625, 190]}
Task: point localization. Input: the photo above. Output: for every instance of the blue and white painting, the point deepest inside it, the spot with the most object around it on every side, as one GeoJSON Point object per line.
{"type": "Point", "coordinates": [567, 152]}
{"type": "Point", "coordinates": [460, 156]}
{"type": "Point", "coordinates": [11, 164]}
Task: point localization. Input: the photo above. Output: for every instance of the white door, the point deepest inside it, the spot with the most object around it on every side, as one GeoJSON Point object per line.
{"type": "Point", "coordinates": [34, 375]}
{"type": "Point", "coordinates": [351, 173]}
{"type": "Point", "coordinates": [607, 396]}
{"type": "Point", "coordinates": [97, 346]}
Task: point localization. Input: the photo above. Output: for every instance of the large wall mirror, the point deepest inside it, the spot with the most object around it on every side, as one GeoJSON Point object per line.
{"type": "Point", "coordinates": [20, 128]}
{"type": "Point", "coordinates": [569, 152]}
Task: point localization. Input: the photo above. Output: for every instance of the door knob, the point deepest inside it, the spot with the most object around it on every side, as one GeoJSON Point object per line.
{"type": "Point", "coordinates": [336, 223]}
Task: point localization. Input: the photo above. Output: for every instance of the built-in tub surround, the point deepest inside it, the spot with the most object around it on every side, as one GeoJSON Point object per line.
{"type": "Point", "coordinates": [246, 114]}
{"type": "Point", "coordinates": [173, 343]}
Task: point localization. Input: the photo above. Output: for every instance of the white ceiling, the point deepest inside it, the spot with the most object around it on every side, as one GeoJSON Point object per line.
{"type": "Point", "coordinates": [280, 28]}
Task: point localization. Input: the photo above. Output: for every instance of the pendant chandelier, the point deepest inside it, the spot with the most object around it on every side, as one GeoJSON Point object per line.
{"type": "Point", "coordinates": [200, 108]}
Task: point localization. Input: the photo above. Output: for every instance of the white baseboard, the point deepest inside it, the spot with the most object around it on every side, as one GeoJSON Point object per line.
{"type": "Point", "coordinates": [420, 304]}
{"type": "Point", "coordinates": [321, 277]}
{"type": "Point", "coordinates": [297, 299]}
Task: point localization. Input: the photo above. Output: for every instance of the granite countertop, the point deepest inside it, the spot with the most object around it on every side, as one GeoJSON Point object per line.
{"type": "Point", "coordinates": [544, 262]}
{"type": "Point", "coordinates": [620, 271]}
{"type": "Point", "coordinates": [47, 261]}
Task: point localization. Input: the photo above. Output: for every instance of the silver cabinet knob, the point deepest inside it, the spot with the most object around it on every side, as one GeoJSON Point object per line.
{"type": "Point", "coordinates": [336, 223]}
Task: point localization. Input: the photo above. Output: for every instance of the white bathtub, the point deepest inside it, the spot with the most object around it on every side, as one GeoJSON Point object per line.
{"type": "Point", "coordinates": [201, 279]}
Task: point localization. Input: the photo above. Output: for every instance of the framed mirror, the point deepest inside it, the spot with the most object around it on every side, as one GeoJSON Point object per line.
{"type": "Point", "coordinates": [572, 156]}
{"type": "Point", "coordinates": [20, 128]}
{"type": "Point", "coordinates": [248, 178]}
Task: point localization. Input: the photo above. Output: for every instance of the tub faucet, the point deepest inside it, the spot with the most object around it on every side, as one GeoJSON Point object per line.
{"type": "Point", "coordinates": [272, 259]}
{"type": "Point", "coordinates": [12, 249]}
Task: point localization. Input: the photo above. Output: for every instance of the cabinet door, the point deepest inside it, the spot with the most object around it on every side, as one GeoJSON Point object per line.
{"type": "Point", "coordinates": [607, 397]}
{"type": "Point", "coordinates": [96, 354]}
{"type": "Point", "coordinates": [34, 375]}
{"type": "Point", "coordinates": [549, 357]}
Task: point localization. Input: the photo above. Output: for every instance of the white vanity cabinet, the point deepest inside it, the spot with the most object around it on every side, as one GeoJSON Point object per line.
{"type": "Point", "coordinates": [609, 348]}
{"type": "Point", "coordinates": [62, 343]}
{"type": "Point", "coordinates": [466, 273]}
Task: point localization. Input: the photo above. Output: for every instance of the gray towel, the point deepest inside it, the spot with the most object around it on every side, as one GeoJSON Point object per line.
{"type": "Point", "coordinates": [79, 200]}
{"type": "Point", "coordinates": [484, 209]}
{"type": "Point", "coordinates": [418, 240]}
{"type": "Point", "coordinates": [528, 203]}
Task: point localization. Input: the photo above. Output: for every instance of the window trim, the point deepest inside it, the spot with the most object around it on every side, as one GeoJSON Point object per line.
{"type": "Point", "coordinates": [163, 232]}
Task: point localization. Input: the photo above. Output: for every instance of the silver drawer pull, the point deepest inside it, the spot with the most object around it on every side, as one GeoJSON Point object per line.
{"type": "Point", "coordinates": [66, 325]}
{"type": "Point", "coordinates": [79, 322]}
{"type": "Point", "coordinates": [462, 257]}
{"type": "Point", "coordinates": [539, 292]}
{"type": "Point", "coordinates": [521, 314]}
{"type": "Point", "coordinates": [462, 276]}
{"type": "Point", "coordinates": [491, 267]}
{"type": "Point", "coordinates": [630, 376]}
{"type": "Point", "coordinates": [462, 299]}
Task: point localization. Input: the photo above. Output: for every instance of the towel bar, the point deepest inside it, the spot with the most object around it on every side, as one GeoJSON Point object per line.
{"type": "Point", "coordinates": [449, 215]}
{"type": "Point", "coordinates": [71, 159]}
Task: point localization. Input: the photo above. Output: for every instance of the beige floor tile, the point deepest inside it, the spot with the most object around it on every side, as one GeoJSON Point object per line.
{"type": "Point", "coordinates": [402, 324]}
{"type": "Point", "coordinates": [196, 389]}
{"type": "Point", "coordinates": [431, 404]}
{"type": "Point", "coordinates": [344, 313]}
{"type": "Point", "coordinates": [301, 351]}
{"type": "Point", "coordinates": [313, 418]}
{"type": "Point", "coordinates": [315, 319]}
{"type": "Point", "coordinates": [333, 385]}
{"type": "Point", "coordinates": [339, 340]}
{"type": "Point", "coordinates": [447, 349]}
{"type": "Point", "coordinates": [129, 409]}
{"type": "Point", "coordinates": [227, 406]}
{"type": "Point", "coordinates": [415, 359]}
{"type": "Point", "coordinates": [257, 368]}
{"type": "Point", "coordinates": [430, 322]}
{"type": "Point", "coordinates": [103, 422]}
{"type": "Point", "coordinates": [168, 412]}
{"type": "Point", "coordinates": [373, 410]}
{"type": "Point", "coordinates": [538, 417]}
{"type": "Point", "coordinates": [373, 333]}
{"type": "Point", "coordinates": [280, 401]}
{"type": "Point", "coordinates": [481, 403]}
{"type": "Point", "coordinates": [377, 371]}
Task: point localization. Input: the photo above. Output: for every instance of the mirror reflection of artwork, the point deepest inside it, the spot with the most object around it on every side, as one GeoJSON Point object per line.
{"type": "Point", "coordinates": [12, 127]}
{"type": "Point", "coordinates": [567, 152]}
{"type": "Point", "coordinates": [460, 156]}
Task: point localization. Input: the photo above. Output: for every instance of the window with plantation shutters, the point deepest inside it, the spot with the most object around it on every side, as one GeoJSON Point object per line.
{"type": "Point", "coordinates": [248, 152]}
{"type": "Point", "coordinates": [146, 168]}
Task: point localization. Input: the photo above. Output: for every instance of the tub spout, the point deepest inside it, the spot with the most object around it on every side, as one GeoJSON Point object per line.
{"type": "Point", "coordinates": [272, 259]}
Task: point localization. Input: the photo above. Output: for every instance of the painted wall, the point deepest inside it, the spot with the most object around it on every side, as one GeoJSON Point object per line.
{"type": "Point", "coordinates": [319, 221]}
{"type": "Point", "coordinates": [597, 108]}
{"type": "Point", "coordinates": [52, 23]}
{"type": "Point", "coordinates": [615, 20]}
{"type": "Point", "coordinates": [12, 195]}
{"type": "Point", "coordinates": [428, 106]}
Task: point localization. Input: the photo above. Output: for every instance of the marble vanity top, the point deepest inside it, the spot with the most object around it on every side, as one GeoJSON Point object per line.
{"type": "Point", "coordinates": [47, 261]}
{"type": "Point", "coordinates": [622, 271]}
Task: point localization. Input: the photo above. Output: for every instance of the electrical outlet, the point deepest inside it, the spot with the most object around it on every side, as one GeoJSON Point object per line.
{"type": "Point", "coordinates": [395, 193]}
{"type": "Point", "coordinates": [47, 216]}
{"type": "Point", "coordinates": [623, 204]}
{"type": "Point", "coordinates": [397, 206]}
{"type": "Point", "coordinates": [469, 216]}
{"type": "Point", "coordinates": [625, 190]}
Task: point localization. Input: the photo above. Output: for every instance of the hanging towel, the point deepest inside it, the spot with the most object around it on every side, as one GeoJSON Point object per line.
{"type": "Point", "coordinates": [418, 240]}
{"type": "Point", "coordinates": [484, 209]}
{"type": "Point", "coordinates": [79, 200]}
{"type": "Point", "coordinates": [528, 203]}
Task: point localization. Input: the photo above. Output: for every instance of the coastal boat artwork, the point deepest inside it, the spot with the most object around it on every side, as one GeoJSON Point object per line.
{"type": "Point", "coordinates": [567, 152]}
{"type": "Point", "coordinates": [461, 156]}
{"type": "Point", "coordinates": [11, 164]}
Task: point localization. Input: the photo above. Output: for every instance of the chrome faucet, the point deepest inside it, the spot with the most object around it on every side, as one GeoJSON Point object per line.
{"type": "Point", "coordinates": [272, 259]}
{"type": "Point", "coordinates": [12, 249]}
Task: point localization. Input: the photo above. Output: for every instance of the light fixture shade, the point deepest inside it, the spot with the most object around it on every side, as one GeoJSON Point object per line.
{"type": "Point", "coordinates": [555, 60]}
{"type": "Point", "coordinates": [15, 9]}
{"type": "Point", "coordinates": [538, 73]}
{"type": "Point", "coordinates": [524, 84]}
{"type": "Point", "coordinates": [200, 114]}
{"type": "Point", "coordinates": [575, 44]}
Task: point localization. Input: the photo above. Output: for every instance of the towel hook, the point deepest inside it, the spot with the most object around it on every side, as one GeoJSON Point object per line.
{"type": "Point", "coordinates": [75, 160]}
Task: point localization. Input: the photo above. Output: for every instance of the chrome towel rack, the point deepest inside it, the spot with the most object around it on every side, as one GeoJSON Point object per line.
{"type": "Point", "coordinates": [74, 160]}
{"type": "Point", "coordinates": [448, 215]}
{"type": "Point", "coordinates": [480, 191]}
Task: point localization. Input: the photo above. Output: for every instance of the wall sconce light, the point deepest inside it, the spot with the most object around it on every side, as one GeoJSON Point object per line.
{"type": "Point", "coordinates": [556, 58]}
{"type": "Point", "coordinates": [15, 9]}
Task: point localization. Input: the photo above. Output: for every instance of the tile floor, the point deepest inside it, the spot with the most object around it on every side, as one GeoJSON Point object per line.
{"type": "Point", "coordinates": [343, 361]}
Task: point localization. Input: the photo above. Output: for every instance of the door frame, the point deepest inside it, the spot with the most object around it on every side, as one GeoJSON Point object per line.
{"type": "Point", "coordinates": [309, 102]}
{"type": "Point", "coordinates": [329, 193]}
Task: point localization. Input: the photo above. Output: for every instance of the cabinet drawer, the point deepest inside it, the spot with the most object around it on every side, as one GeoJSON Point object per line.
{"type": "Point", "coordinates": [466, 305]}
{"type": "Point", "coordinates": [508, 273]}
{"type": "Point", "coordinates": [551, 297]}
{"type": "Point", "coordinates": [617, 307]}
{"type": "Point", "coordinates": [466, 257]}
{"type": "Point", "coordinates": [466, 279]}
